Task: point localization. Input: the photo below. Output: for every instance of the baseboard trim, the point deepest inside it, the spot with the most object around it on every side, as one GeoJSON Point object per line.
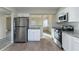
{"type": "Point", "coordinates": [5, 47]}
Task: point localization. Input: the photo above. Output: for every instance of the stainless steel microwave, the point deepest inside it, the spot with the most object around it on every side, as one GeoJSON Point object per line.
{"type": "Point", "coordinates": [63, 18]}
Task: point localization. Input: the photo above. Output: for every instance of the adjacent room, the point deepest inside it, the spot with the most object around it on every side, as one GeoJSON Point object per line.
{"type": "Point", "coordinates": [5, 27]}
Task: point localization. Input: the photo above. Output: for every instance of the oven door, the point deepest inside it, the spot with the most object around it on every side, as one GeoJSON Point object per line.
{"type": "Point", "coordinates": [56, 34]}
{"type": "Point", "coordinates": [58, 37]}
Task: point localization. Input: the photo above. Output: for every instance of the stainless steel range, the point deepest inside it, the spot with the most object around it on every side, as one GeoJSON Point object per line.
{"type": "Point", "coordinates": [58, 33]}
{"type": "Point", "coordinates": [58, 37]}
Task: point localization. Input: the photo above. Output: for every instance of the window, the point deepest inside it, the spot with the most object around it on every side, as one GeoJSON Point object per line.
{"type": "Point", "coordinates": [45, 23]}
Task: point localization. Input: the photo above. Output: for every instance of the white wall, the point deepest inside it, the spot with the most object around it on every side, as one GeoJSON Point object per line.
{"type": "Point", "coordinates": [2, 27]}
{"type": "Point", "coordinates": [13, 14]}
{"type": "Point", "coordinates": [51, 18]}
{"type": "Point", "coordinates": [22, 14]}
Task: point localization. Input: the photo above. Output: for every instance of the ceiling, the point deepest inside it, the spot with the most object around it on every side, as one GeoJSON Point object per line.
{"type": "Point", "coordinates": [36, 10]}
{"type": "Point", "coordinates": [4, 11]}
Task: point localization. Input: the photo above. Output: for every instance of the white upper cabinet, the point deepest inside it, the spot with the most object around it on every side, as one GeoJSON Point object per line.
{"type": "Point", "coordinates": [73, 13]}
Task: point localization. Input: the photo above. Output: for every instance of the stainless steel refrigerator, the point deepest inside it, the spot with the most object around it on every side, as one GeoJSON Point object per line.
{"type": "Point", "coordinates": [21, 29]}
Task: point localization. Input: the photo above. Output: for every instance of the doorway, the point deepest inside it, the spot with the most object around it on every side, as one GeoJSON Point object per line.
{"type": "Point", "coordinates": [47, 25]}
{"type": "Point", "coordinates": [8, 27]}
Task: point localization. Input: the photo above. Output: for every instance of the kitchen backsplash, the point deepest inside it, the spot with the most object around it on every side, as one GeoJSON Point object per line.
{"type": "Point", "coordinates": [74, 24]}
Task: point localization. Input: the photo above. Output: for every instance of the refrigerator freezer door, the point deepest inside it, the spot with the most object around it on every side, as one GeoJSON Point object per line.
{"type": "Point", "coordinates": [21, 21]}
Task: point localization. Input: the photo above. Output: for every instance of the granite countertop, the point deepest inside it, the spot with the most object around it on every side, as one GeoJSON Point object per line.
{"type": "Point", "coordinates": [72, 33]}
{"type": "Point", "coordinates": [57, 27]}
{"type": "Point", "coordinates": [34, 27]}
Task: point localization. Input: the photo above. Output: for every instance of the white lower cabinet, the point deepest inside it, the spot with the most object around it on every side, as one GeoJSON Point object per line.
{"type": "Point", "coordinates": [66, 41]}
{"type": "Point", "coordinates": [70, 43]}
{"type": "Point", "coordinates": [52, 33]}
{"type": "Point", "coordinates": [33, 34]}
{"type": "Point", "coordinates": [75, 44]}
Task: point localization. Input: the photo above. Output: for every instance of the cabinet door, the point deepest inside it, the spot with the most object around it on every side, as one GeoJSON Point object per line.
{"type": "Point", "coordinates": [75, 44]}
{"type": "Point", "coordinates": [37, 35]}
{"type": "Point", "coordinates": [34, 35]}
{"type": "Point", "coordinates": [66, 41]}
{"type": "Point", "coordinates": [30, 35]}
{"type": "Point", "coordinates": [52, 32]}
{"type": "Point", "coordinates": [73, 14]}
